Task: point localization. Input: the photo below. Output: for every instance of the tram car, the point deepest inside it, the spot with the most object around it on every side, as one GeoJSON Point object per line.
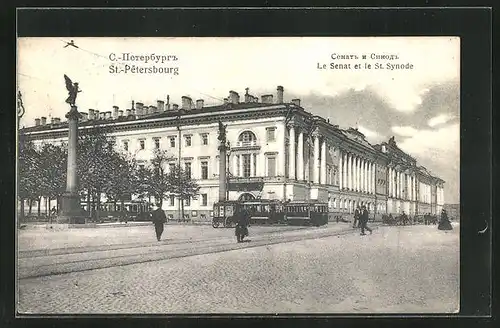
{"type": "Point", "coordinates": [269, 212]}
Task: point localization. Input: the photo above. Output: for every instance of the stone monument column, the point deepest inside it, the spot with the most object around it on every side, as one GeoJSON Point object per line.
{"type": "Point", "coordinates": [71, 211]}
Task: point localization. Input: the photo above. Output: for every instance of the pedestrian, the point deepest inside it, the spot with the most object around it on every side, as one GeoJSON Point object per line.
{"type": "Point", "coordinates": [357, 214]}
{"type": "Point", "coordinates": [364, 220]}
{"type": "Point", "coordinates": [53, 211]}
{"type": "Point", "coordinates": [242, 223]}
{"type": "Point", "coordinates": [158, 218]}
{"type": "Point", "coordinates": [444, 222]}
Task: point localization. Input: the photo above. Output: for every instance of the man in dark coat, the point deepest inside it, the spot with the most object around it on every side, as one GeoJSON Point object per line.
{"type": "Point", "coordinates": [159, 218]}
{"type": "Point", "coordinates": [243, 220]}
{"type": "Point", "coordinates": [364, 220]}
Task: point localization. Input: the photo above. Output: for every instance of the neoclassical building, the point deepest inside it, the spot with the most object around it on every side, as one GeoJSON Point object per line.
{"type": "Point", "coordinates": [277, 150]}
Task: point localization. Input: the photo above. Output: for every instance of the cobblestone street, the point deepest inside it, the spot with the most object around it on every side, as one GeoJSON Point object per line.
{"type": "Point", "coordinates": [412, 269]}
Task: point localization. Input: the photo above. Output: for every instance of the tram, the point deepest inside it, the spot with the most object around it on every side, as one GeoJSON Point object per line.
{"type": "Point", "coordinates": [270, 212]}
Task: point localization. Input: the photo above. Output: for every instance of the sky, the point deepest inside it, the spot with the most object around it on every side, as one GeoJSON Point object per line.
{"type": "Point", "coordinates": [418, 106]}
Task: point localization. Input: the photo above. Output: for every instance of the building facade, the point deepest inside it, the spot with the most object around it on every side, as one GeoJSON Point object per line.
{"type": "Point", "coordinates": [277, 150]}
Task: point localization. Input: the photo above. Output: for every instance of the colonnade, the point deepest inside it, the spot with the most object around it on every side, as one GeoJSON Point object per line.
{"type": "Point", "coordinates": [357, 173]}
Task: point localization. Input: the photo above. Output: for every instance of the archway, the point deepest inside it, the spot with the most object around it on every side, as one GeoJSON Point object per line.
{"type": "Point", "coordinates": [246, 196]}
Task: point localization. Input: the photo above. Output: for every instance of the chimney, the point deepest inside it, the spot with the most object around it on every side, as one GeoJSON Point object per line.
{"type": "Point", "coordinates": [52, 120]}
{"type": "Point", "coordinates": [97, 116]}
{"type": "Point", "coordinates": [115, 111]}
{"type": "Point", "coordinates": [37, 121]}
{"type": "Point", "coordinates": [186, 102]}
{"type": "Point", "coordinates": [108, 115]}
{"type": "Point", "coordinates": [152, 109]}
{"type": "Point", "coordinates": [279, 97]}
{"type": "Point", "coordinates": [226, 101]}
{"type": "Point", "coordinates": [199, 104]}
{"type": "Point", "coordinates": [133, 113]}
{"type": "Point", "coordinates": [267, 99]}
{"type": "Point", "coordinates": [91, 114]}
{"type": "Point", "coordinates": [85, 117]}
{"type": "Point", "coordinates": [175, 107]}
{"type": "Point", "coordinates": [44, 120]}
{"type": "Point", "coordinates": [234, 98]}
{"type": "Point", "coordinates": [248, 97]}
{"type": "Point", "coordinates": [167, 105]}
{"type": "Point", "coordinates": [139, 108]}
{"type": "Point", "coordinates": [102, 115]}
{"type": "Point", "coordinates": [296, 102]}
{"type": "Point", "coordinates": [120, 113]}
{"type": "Point", "coordinates": [160, 104]}
{"type": "Point", "coordinates": [127, 112]}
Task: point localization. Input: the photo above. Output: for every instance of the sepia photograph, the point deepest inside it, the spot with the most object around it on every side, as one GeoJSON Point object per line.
{"type": "Point", "coordinates": [238, 175]}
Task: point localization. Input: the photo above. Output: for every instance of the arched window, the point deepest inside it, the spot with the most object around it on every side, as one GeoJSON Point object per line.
{"type": "Point", "coordinates": [246, 160]}
{"type": "Point", "coordinates": [247, 137]}
{"type": "Point", "coordinates": [246, 196]}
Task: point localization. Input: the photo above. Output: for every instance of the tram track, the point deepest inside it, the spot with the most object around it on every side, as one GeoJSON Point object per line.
{"type": "Point", "coordinates": [50, 265]}
{"type": "Point", "coordinates": [84, 249]}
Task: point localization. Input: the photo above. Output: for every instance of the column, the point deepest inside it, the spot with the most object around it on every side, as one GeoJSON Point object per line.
{"type": "Point", "coordinates": [362, 175]}
{"type": "Point", "coordinates": [323, 162]}
{"type": "Point", "coordinates": [292, 155]}
{"type": "Point", "coordinates": [349, 171]}
{"type": "Point", "coordinates": [355, 173]}
{"type": "Point", "coordinates": [368, 177]}
{"type": "Point", "coordinates": [344, 185]}
{"type": "Point", "coordinates": [370, 171]}
{"type": "Point", "coordinates": [70, 202]}
{"type": "Point", "coordinates": [300, 160]}
{"type": "Point", "coordinates": [252, 165]}
{"type": "Point", "coordinates": [393, 181]}
{"type": "Point", "coordinates": [374, 183]}
{"type": "Point", "coordinates": [316, 159]}
{"type": "Point", "coordinates": [235, 165]}
{"type": "Point", "coordinates": [365, 175]}
{"type": "Point", "coordinates": [341, 169]}
{"type": "Point", "coordinates": [241, 165]}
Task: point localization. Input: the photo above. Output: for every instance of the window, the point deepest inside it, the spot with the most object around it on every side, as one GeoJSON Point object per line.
{"type": "Point", "coordinates": [141, 166]}
{"type": "Point", "coordinates": [172, 200]}
{"type": "Point", "coordinates": [204, 170]}
{"type": "Point", "coordinates": [142, 144]}
{"type": "Point", "coordinates": [125, 145]}
{"type": "Point", "coordinates": [246, 165]}
{"type": "Point", "coordinates": [187, 201]}
{"type": "Point", "coordinates": [204, 139]}
{"type": "Point", "coordinates": [271, 166]}
{"type": "Point", "coordinates": [188, 141]}
{"type": "Point", "coordinates": [172, 142]}
{"type": "Point", "coordinates": [171, 167]}
{"type": "Point", "coordinates": [271, 134]}
{"type": "Point", "coordinates": [204, 199]}
{"type": "Point", "coordinates": [247, 138]}
{"type": "Point", "coordinates": [157, 143]}
{"type": "Point", "coordinates": [187, 168]}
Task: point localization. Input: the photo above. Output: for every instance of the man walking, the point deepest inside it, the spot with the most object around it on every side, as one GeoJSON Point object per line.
{"type": "Point", "coordinates": [158, 218]}
{"type": "Point", "coordinates": [364, 220]}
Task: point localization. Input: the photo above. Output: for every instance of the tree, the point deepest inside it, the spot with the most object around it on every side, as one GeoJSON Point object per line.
{"type": "Point", "coordinates": [53, 165]}
{"type": "Point", "coordinates": [27, 172]}
{"type": "Point", "coordinates": [182, 186]}
{"type": "Point", "coordinates": [96, 163]}
{"type": "Point", "coordinates": [154, 180]}
{"type": "Point", "coordinates": [123, 180]}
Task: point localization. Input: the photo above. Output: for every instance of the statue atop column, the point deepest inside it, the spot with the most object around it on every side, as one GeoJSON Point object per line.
{"type": "Point", "coordinates": [73, 90]}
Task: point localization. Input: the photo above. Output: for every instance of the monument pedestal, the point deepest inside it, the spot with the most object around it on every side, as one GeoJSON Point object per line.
{"type": "Point", "coordinates": [71, 211]}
